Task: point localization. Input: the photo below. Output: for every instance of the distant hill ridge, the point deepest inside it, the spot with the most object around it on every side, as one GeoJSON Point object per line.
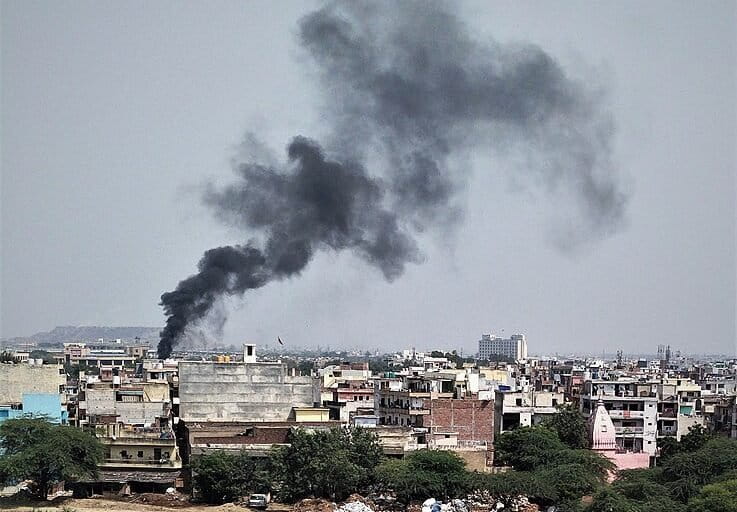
{"type": "Point", "coordinates": [69, 333]}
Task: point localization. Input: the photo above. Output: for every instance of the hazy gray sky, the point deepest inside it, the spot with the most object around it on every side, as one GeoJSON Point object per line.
{"type": "Point", "coordinates": [115, 114]}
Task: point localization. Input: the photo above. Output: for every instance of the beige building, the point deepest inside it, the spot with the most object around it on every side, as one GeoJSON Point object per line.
{"type": "Point", "coordinates": [17, 379]}
{"type": "Point", "coordinates": [242, 391]}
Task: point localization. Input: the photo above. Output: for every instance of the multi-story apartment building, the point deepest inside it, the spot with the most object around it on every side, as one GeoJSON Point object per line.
{"type": "Point", "coordinates": [442, 409]}
{"type": "Point", "coordinates": [350, 399]}
{"type": "Point", "coordinates": [133, 420]}
{"type": "Point", "coordinates": [514, 409]}
{"type": "Point", "coordinates": [633, 408]}
{"type": "Point", "coordinates": [514, 347]}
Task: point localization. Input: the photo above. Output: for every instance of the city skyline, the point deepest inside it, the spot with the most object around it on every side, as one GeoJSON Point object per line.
{"type": "Point", "coordinates": [113, 116]}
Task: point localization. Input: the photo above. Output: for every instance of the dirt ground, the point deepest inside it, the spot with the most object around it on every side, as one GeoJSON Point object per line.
{"type": "Point", "coordinates": [128, 505]}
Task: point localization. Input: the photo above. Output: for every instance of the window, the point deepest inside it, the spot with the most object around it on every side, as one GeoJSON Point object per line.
{"type": "Point", "coordinates": [555, 402]}
{"type": "Point", "coordinates": [140, 454]}
{"type": "Point", "coordinates": [518, 402]}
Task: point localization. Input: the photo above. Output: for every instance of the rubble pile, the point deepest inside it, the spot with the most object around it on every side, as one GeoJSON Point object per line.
{"type": "Point", "coordinates": [314, 505]}
{"type": "Point", "coordinates": [478, 502]}
{"type": "Point", "coordinates": [355, 506]}
{"type": "Point", "coordinates": [170, 499]}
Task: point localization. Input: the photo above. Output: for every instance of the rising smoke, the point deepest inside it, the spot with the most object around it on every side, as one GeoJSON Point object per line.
{"type": "Point", "coordinates": [406, 88]}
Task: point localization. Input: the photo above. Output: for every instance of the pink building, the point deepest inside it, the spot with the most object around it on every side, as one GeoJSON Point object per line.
{"type": "Point", "coordinates": [602, 436]}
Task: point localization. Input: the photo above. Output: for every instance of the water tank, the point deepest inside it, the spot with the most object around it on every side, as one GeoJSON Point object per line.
{"type": "Point", "coordinates": [39, 362]}
{"type": "Point", "coordinates": [227, 359]}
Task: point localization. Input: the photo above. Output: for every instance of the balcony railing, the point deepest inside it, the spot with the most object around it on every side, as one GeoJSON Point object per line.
{"type": "Point", "coordinates": [629, 430]}
{"type": "Point", "coordinates": [144, 461]}
{"type": "Point", "coordinates": [619, 413]}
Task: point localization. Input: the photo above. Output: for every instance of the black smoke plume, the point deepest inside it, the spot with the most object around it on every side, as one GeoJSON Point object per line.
{"type": "Point", "coordinates": [407, 89]}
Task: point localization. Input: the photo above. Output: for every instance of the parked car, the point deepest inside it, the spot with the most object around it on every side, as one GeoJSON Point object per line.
{"type": "Point", "coordinates": [258, 501]}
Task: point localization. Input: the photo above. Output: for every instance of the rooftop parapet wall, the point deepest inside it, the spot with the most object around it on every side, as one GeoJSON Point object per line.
{"type": "Point", "coordinates": [17, 379]}
{"type": "Point", "coordinates": [241, 391]}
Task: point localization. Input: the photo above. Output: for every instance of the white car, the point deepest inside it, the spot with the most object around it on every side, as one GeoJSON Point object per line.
{"type": "Point", "coordinates": [258, 501]}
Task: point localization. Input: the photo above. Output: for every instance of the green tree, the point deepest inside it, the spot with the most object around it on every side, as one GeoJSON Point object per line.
{"type": "Point", "coordinates": [609, 500]}
{"type": "Point", "coordinates": [639, 484]}
{"type": "Point", "coordinates": [718, 497]}
{"type": "Point", "coordinates": [593, 462]}
{"type": "Point", "coordinates": [379, 365]}
{"type": "Point", "coordinates": [695, 439]}
{"type": "Point", "coordinates": [570, 425]}
{"type": "Point", "coordinates": [570, 481]}
{"type": "Point", "coordinates": [668, 447]}
{"type": "Point", "coordinates": [425, 473]}
{"type": "Point", "coordinates": [527, 448]}
{"type": "Point", "coordinates": [219, 477]}
{"type": "Point", "coordinates": [685, 473]}
{"type": "Point", "coordinates": [34, 449]}
{"type": "Point", "coordinates": [325, 463]}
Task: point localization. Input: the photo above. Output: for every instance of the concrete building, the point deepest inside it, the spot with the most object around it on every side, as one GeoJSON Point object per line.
{"type": "Point", "coordinates": [514, 347]}
{"type": "Point", "coordinates": [33, 389]}
{"type": "Point", "coordinates": [347, 390]}
{"type": "Point", "coordinates": [242, 391]}
{"type": "Point", "coordinates": [438, 410]}
{"type": "Point", "coordinates": [633, 408]}
{"type": "Point", "coordinates": [524, 408]}
{"type": "Point", "coordinates": [133, 420]}
{"type": "Point", "coordinates": [349, 400]}
{"type": "Point", "coordinates": [602, 436]}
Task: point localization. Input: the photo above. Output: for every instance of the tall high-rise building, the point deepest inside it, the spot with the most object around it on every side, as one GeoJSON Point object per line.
{"type": "Point", "coordinates": [514, 347]}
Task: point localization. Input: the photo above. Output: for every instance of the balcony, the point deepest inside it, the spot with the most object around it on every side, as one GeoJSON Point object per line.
{"type": "Point", "coordinates": [624, 431]}
{"type": "Point", "coordinates": [414, 411]}
{"type": "Point", "coordinates": [621, 414]}
{"type": "Point", "coordinates": [141, 463]}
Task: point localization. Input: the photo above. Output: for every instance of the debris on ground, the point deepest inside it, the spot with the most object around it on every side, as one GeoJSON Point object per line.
{"type": "Point", "coordinates": [170, 499]}
{"type": "Point", "coordinates": [355, 506]}
{"type": "Point", "coordinates": [314, 505]}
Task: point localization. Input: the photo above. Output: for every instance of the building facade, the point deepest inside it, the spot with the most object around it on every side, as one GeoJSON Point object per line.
{"type": "Point", "coordinates": [514, 347]}
{"type": "Point", "coordinates": [36, 390]}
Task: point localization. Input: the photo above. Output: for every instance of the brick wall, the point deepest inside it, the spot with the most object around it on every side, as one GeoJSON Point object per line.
{"type": "Point", "coordinates": [473, 420]}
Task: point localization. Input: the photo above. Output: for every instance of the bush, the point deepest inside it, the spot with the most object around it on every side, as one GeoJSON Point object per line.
{"type": "Point", "coordinates": [426, 473]}
{"type": "Point", "coordinates": [570, 481]}
{"type": "Point", "coordinates": [527, 448]}
{"type": "Point", "coordinates": [719, 497]}
{"type": "Point", "coordinates": [570, 425]}
{"type": "Point", "coordinates": [609, 500]}
{"type": "Point", "coordinates": [220, 477]}
{"type": "Point", "coordinates": [325, 464]}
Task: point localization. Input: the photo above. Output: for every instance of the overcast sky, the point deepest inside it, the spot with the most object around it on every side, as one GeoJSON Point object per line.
{"type": "Point", "coordinates": [115, 114]}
